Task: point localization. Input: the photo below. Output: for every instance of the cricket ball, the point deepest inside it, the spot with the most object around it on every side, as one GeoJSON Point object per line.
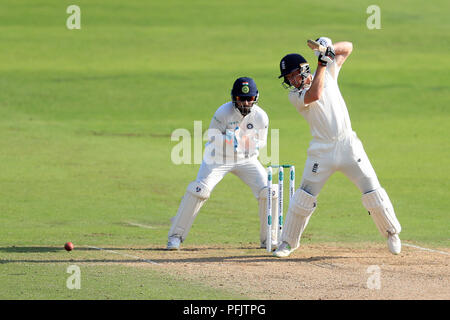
{"type": "Point", "coordinates": [68, 246]}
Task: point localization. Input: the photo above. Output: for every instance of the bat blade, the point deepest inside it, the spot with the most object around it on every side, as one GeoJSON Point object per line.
{"type": "Point", "coordinates": [314, 45]}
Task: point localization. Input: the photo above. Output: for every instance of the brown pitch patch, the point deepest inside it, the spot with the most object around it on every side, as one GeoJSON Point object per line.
{"type": "Point", "coordinates": [314, 271]}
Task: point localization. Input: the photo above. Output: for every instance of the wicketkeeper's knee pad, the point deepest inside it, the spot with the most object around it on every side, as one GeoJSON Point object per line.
{"type": "Point", "coordinates": [262, 202]}
{"type": "Point", "coordinates": [301, 207]}
{"type": "Point", "coordinates": [196, 195]}
{"type": "Point", "coordinates": [382, 212]}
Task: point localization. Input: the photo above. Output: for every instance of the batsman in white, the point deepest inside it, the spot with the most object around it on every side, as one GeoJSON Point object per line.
{"type": "Point", "coordinates": [237, 131]}
{"type": "Point", "coordinates": [334, 146]}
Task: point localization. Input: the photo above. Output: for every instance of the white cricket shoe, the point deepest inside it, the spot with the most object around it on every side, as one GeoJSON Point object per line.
{"type": "Point", "coordinates": [173, 243]}
{"type": "Point", "coordinates": [284, 250]}
{"type": "Point", "coordinates": [394, 244]}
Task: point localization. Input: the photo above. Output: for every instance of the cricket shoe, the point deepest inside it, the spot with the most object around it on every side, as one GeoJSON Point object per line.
{"type": "Point", "coordinates": [284, 250]}
{"type": "Point", "coordinates": [173, 243]}
{"type": "Point", "coordinates": [394, 244]}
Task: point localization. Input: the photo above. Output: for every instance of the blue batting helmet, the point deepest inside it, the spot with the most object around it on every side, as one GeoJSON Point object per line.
{"type": "Point", "coordinates": [292, 62]}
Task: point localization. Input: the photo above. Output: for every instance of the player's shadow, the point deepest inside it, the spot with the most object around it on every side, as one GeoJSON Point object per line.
{"type": "Point", "coordinates": [71, 261]}
{"type": "Point", "coordinates": [43, 249]}
{"type": "Point", "coordinates": [245, 259]}
{"type": "Point", "coordinates": [15, 249]}
{"type": "Point", "coordinates": [257, 257]}
{"type": "Point", "coordinates": [254, 258]}
{"type": "Point", "coordinates": [199, 249]}
{"type": "Point", "coordinates": [35, 249]}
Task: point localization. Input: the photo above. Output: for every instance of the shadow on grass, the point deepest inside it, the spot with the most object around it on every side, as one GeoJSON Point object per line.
{"type": "Point", "coordinates": [249, 259]}
{"type": "Point", "coordinates": [233, 259]}
{"type": "Point", "coordinates": [14, 249]}
{"type": "Point", "coordinates": [72, 261]}
{"type": "Point", "coordinates": [173, 256]}
{"type": "Point", "coordinates": [199, 249]}
{"type": "Point", "coordinates": [42, 249]}
{"type": "Point", "coordinates": [39, 249]}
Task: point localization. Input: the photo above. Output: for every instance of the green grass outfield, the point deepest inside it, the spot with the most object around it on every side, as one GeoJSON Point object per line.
{"type": "Point", "coordinates": [86, 117]}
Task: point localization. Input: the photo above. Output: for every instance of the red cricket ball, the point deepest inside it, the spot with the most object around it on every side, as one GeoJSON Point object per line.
{"type": "Point", "coordinates": [68, 246]}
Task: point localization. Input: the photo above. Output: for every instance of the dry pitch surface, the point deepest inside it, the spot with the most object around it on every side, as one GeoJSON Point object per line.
{"type": "Point", "coordinates": [330, 271]}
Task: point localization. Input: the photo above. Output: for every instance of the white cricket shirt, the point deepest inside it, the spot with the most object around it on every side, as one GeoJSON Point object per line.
{"type": "Point", "coordinates": [227, 117]}
{"type": "Point", "coordinates": [327, 117]}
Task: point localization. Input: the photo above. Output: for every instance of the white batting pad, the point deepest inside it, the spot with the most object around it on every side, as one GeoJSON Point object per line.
{"type": "Point", "coordinates": [196, 195]}
{"type": "Point", "coordinates": [382, 212]}
{"type": "Point", "coordinates": [301, 207]}
{"type": "Point", "coordinates": [262, 201]}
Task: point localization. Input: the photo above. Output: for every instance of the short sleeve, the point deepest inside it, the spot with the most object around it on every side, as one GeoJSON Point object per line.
{"type": "Point", "coordinates": [218, 121]}
{"type": "Point", "coordinates": [333, 69]}
{"type": "Point", "coordinates": [265, 120]}
{"type": "Point", "coordinates": [297, 98]}
{"type": "Point", "coordinates": [262, 133]}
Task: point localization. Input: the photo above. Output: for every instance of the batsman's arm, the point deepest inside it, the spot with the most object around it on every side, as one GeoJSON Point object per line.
{"type": "Point", "coordinates": [342, 50]}
{"type": "Point", "coordinates": [315, 92]}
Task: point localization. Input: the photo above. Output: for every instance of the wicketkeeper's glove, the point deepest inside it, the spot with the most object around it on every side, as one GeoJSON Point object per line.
{"type": "Point", "coordinates": [236, 132]}
{"type": "Point", "coordinates": [246, 140]}
{"type": "Point", "coordinates": [229, 136]}
{"type": "Point", "coordinates": [327, 57]}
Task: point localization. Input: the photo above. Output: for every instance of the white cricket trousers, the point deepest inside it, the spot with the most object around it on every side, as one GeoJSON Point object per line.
{"type": "Point", "coordinates": [346, 155]}
{"type": "Point", "coordinates": [250, 171]}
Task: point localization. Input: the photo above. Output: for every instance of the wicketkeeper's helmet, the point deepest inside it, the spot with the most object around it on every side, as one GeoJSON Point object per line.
{"type": "Point", "coordinates": [244, 88]}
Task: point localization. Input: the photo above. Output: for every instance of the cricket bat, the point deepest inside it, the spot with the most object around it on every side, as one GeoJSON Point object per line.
{"type": "Point", "coordinates": [314, 45]}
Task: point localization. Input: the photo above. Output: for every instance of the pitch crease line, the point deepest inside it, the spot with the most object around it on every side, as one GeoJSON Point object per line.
{"type": "Point", "coordinates": [425, 249]}
{"type": "Point", "coordinates": [124, 255]}
{"type": "Point", "coordinates": [139, 225]}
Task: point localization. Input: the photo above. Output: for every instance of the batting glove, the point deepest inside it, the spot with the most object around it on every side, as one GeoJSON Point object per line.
{"type": "Point", "coordinates": [327, 57]}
